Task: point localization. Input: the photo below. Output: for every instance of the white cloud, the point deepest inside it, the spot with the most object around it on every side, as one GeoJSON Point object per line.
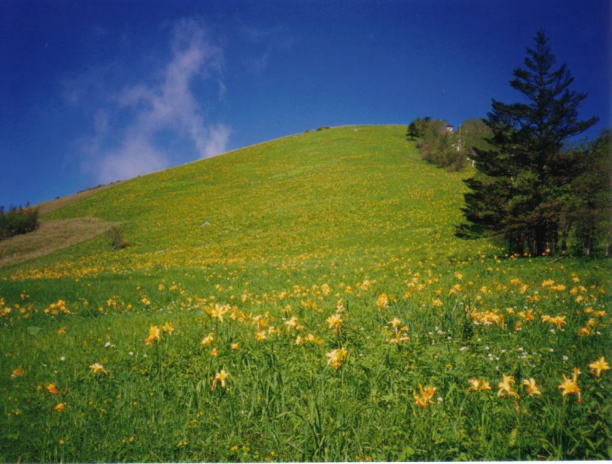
{"type": "Point", "coordinates": [218, 136]}
{"type": "Point", "coordinates": [126, 135]}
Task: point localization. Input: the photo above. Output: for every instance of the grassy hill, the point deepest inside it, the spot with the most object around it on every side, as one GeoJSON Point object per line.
{"type": "Point", "coordinates": [266, 263]}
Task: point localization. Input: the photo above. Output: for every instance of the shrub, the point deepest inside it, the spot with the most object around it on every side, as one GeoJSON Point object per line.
{"type": "Point", "coordinates": [17, 221]}
{"type": "Point", "coordinates": [115, 238]}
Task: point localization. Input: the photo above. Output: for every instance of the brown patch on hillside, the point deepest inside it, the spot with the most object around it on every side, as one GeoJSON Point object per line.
{"type": "Point", "coordinates": [51, 236]}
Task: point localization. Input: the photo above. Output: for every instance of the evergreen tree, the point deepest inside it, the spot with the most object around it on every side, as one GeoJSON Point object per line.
{"type": "Point", "coordinates": [517, 192]}
{"type": "Point", "coordinates": [591, 211]}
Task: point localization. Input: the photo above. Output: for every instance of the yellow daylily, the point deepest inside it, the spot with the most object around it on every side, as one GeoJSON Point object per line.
{"type": "Point", "coordinates": [598, 366]}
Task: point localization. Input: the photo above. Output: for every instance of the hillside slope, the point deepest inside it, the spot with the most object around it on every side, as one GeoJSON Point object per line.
{"type": "Point", "coordinates": [348, 190]}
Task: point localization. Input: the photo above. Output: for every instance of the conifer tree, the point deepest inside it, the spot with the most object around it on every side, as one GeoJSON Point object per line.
{"type": "Point", "coordinates": [515, 195]}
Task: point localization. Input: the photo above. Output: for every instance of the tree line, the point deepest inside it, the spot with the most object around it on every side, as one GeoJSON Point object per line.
{"type": "Point", "coordinates": [534, 188]}
{"type": "Point", "coordinates": [441, 145]}
{"type": "Point", "coordinates": [15, 221]}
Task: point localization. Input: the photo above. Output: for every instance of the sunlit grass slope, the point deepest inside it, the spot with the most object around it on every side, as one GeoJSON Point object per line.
{"type": "Point", "coordinates": [302, 299]}
{"type": "Point", "coordinates": [338, 191]}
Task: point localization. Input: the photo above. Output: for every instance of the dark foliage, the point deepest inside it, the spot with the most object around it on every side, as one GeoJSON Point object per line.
{"type": "Point", "coordinates": [441, 146]}
{"type": "Point", "coordinates": [525, 190]}
{"type": "Point", "coordinates": [17, 221]}
{"type": "Point", "coordinates": [115, 238]}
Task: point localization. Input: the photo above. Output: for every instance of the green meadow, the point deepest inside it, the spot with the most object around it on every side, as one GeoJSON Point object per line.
{"type": "Point", "coordinates": [303, 299]}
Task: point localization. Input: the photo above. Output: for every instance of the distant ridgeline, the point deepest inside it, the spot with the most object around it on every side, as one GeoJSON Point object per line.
{"type": "Point", "coordinates": [15, 221]}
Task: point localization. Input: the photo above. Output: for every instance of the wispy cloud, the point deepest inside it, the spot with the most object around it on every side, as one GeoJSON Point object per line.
{"type": "Point", "coordinates": [264, 43]}
{"type": "Point", "coordinates": [130, 128]}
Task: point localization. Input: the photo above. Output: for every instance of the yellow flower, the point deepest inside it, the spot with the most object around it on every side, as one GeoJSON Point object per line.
{"type": "Point", "coordinates": [235, 346]}
{"type": "Point", "coordinates": [398, 338]}
{"type": "Point", "coordinates": [334, 322]}
{"type": "Point", "coordinates": [154, 335]}
{"type": "Point", "coordinates": [167, 328]}
{"type": "Point", "coordinates": [506, 387]}
{"type": "Point", "coordinates": [337, 357]}
{"type": "Point", "coordinates": [292, 323]}
{"type": "Point", "coordinates": [526, 315]}
{"type": "Point", "coordinates": [260, 335]}
{"type": "Point", "coordinates": [18, 372]}
{"type": "Point", "coordinates": [478, 384]}
{"type": "Point", "coordinates": [395, 322]}
{"type": "Point", "coordinates": [214, 352]}
{"type": "Point", "coordinates": [219, 311]}
{"type": "Point", "coordinates": [557, 320]}
{"type": "Point", "coordinates": [98, 368]}
{"type": "Point", "coordinates": [382, 301]}
{"type": "Point", "coordinates": [59, 406]}
{"type": "Point", "coordinates": [425, 396]}
{"type": "Point", "coordinates": [584, 331]}
{"type": "Point", "coordinates": [570, 386]}
{"type": "Point", "coordinates": [598, 366]}
{"type": "Point", "coordinates": [51, 388]}
{"type": "Point", "coordinates": [532, 388]}
{"type": "Point", "coordinates": [208, 339]}
{"type": "Point", "coordinates": [61, 330]}
{"type": "Point", "coordinates": [220, 377]}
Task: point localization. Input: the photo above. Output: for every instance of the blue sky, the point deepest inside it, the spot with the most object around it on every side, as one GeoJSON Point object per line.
{"type": "Point", "coordinates": [93, 91]}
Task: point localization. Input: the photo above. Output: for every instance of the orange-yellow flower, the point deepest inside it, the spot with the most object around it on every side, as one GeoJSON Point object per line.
{"type": "Point", "coordinates": [382, 301]}
{"type": "Point", "coordinates": [425, 396]}
{"type": "Point", "coordinates": [291, 323]}
{"type": "Point", "coordinates": [208, 339]}
{"type": "Point", "coordinates": [218, 311]}
{"type": "Point", "coordinates": [59, 406]}
{"type": "Point", "coordinates": [532, 388]}
{"type": "Point", "coordinates": [98, 368]}
{"type": "Point", "coordinates": [18, 372]}
{"type": "Point", "coordinates": [51, 388]}
{"type": "Point", "coordinates": [334, 322]}
{"type": "Point", "coordinates": [506, 387]}
{"type": "Point", "coordinates": [598, 366]}
{"type": "Point", "coordinates": [557, 320]}
{"type": "Point", "coordinates": [337, 357]}
{"type": "Point", "coordinates": [154, 335]}
{"type": "Point", "coordinates": [167, 328]}
{"type": "Point", "coordinates": [220, 377]}
{"type": "Point", "coordinates": [569, 386]}
{"type": "Point", "coordinates": [478, 384]}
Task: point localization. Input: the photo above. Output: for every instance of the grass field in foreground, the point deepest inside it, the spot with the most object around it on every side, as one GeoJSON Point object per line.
{"type": "Point", "coordinates": [302, 299]}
